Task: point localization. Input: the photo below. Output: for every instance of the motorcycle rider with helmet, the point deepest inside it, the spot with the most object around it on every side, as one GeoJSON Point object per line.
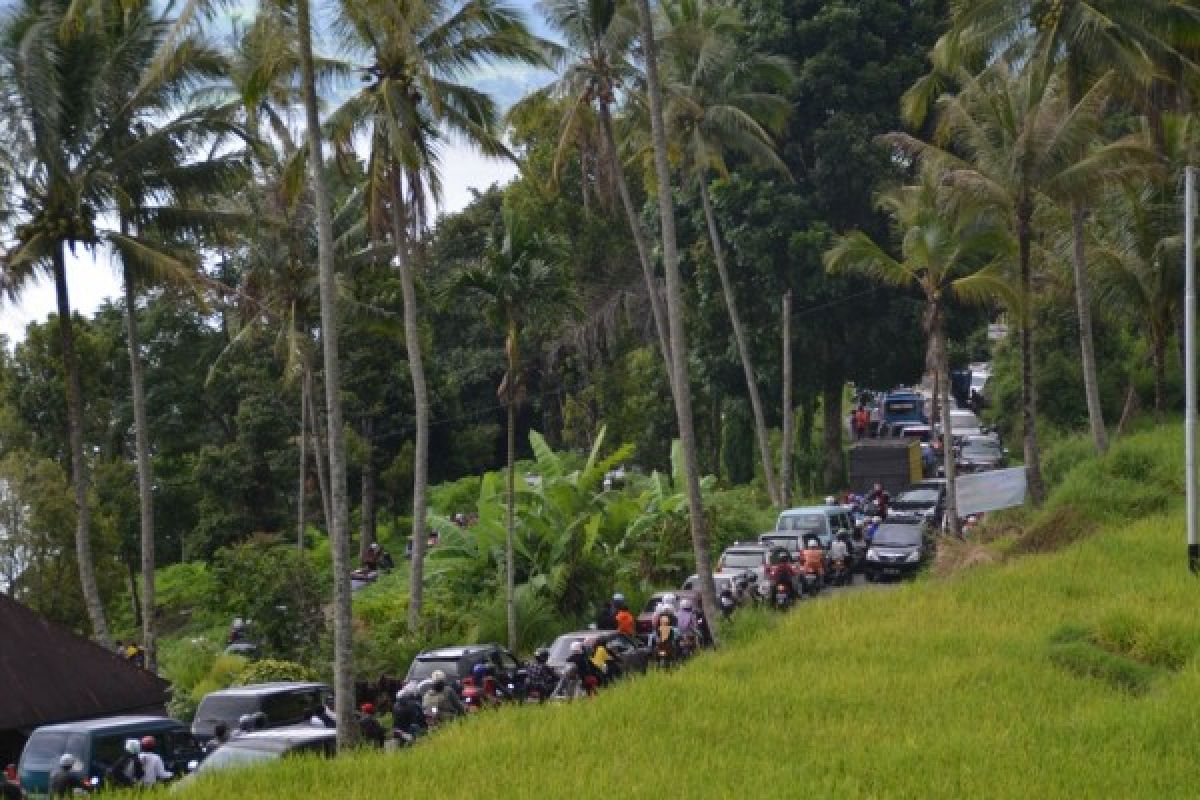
{"type": "Point", "coordinates": [539, 677]}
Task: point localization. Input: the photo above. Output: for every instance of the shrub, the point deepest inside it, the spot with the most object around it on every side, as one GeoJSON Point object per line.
{"type": "Point", "coordinates": [270, 670]}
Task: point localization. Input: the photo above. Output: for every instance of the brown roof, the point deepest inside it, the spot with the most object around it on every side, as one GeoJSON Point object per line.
{"type": "Point", "coordinates": [50, 674]}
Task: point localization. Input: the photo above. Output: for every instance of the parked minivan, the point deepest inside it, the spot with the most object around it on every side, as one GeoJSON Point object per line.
{"type": "Point", "coordinates": [824, 521]}
{"type": "Point", "coordinates": [98, 743]}
{"type": "Point", "coordinates": [284, 703]}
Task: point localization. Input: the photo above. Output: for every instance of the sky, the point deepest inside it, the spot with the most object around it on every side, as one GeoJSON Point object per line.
{"type": "Point", "coordinates": [93, 278]}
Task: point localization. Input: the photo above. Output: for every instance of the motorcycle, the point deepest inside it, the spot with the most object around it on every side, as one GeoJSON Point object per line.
{"type": "Point", "coordinates": [840, 574]}
{"type": "Point", "coordinates": [664, 658]}
{"type": "Point", "coordinates": [728, 605]}
{"type": "Point", "coordinates": [783, 598]}
{"type": "Point", "coordinates": [812, 583]}
{"type": "Point", "coordinates": [689, 642]}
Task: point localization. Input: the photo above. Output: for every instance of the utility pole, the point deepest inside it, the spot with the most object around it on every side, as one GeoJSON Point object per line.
{"type": "Point", "coordinates": [1189, 323]}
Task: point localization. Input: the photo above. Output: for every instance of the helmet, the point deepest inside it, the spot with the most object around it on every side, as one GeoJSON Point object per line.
{"type": "Point", "coordinates": [576, 648]}
{"type": "Point", "coordinates": [148, 743]}
{"type": "Point", "coordinates": [686, 604]}
{"type": "Point", "coordinates": [618, 598]}
{"type": "Point", "coordinates": [830, 500]}
{"type": "Point", "coordinates": [133, 746]}
{"type": "Point", "coordinates": [368, 708]}
{"type": "Point", "coordinates": [669, 598]}
{"type": "Point", "coordinates": [542, 655]}
{"type": "Point", "coordinates": [438, 675]}
{"type": "Point", "coordinates": [439, 685]}
{"type": "Point", "coordinates": [67, 761]}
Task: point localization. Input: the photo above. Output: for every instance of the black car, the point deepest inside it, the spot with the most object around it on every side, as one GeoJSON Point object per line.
{"type": "Point", "coordinates": [897, 550]}
{"type": "Point", "coordinates": [925, 502]}
{"type": "Point", "coordinates": [284, 703]}
{"type": "Point", "coordinates": [458, 663]}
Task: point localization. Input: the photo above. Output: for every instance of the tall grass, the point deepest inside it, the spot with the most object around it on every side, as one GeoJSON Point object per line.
{"type": "Point", "coordinates": [1065, 675]}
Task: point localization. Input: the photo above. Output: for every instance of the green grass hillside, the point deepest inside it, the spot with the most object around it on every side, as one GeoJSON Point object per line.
{"type": "Point", "coordinates": [1070, 674]}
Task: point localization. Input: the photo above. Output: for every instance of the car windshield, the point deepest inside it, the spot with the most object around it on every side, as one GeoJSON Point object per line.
{"type": "Point", "coordinates": [424, 667]}
{"type": "Point", "coordinates": [788, 542]}
{"type": "Point", "coordinates": [898, 535]}
{"type": "Point", "coordinates": [918, 497]}
{"type": "Point", "coordinates": [802, 522]}
{"type": "Point", "coordinates": [742, 559]}
{"type": "Point", "coordinates": [562, 648]}
{"type": "Point", "coordinates": [226, 757]}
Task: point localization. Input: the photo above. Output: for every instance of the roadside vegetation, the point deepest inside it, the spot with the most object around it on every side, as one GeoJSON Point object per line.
{"type": "Point", "coordinates": [1067, 674]}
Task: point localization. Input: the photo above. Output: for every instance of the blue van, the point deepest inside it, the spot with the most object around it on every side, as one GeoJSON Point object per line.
{"type": "Point", "coordinates": [904, 405]}
{"type": "Point", "coordinates": [98, 743]}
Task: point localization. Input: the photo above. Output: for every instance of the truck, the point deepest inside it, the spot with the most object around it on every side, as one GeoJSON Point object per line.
{"type": "Point", "coordinates": [904, 405]}
{"type": "Point", "coordinates": [895, 463]}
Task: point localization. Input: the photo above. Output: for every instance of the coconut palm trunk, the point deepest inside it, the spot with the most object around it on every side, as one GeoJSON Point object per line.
{"type": "Point", "coordinates": [416, 369]}
{"type": "Point", "coordinates": [141, 438]}
{"type": "Point", "coordinates": [315, 421]}
{"type": "Point", "coordinates": [676, 335]}
{"type": "Point", "coordinates": [301, 490]}
{"type": "Point", "coordinates": [739, 336]}
{"type": "Point", "coordinates": [950, 467]}
{"type": "Point", "coordinates": [639, 240]}
{"type": "Point", "coordinates": [1083, 307]}
{"type": "Point", "coordinates": [510, 519]}
{"type": "Point", "coordinates": [343, 653]}
{"type": "Point", "coordinates": [785, 448]}
{"type": "Point", "coordinates": [1033, 469]}
{"type": "Point", "coordinates": [367, 484]}
{"type": "Point", "coordinates": [79, 469]}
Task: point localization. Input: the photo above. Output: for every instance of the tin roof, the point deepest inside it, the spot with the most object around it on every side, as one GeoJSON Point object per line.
{"type": "Point", "coordinates": [51, 674]}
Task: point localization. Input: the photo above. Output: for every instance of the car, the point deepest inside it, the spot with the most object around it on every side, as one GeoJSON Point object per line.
{"type": "Point", "coordinates": [792, 541]}
{"type": "Point", "coordinates": [284, 702]}
{"type": "Point", "coordinates": [746, 557]}
{"type": "Point", "coordinates": [921, 502]}
{"type": "Point", "coordinates": [824, 521]}
{"type": "Point", "coordinates": [964, 423]}
{"type": "Point", "coordinates": [904, 405]}
{"type": "Point", "coordinates": [921, 433]}
{"type": "Point", "coordinates": [98, 743]}
{"type": "Point", "coordinates": [257, 747]}
{"type": "Point", "coordinates": [897, 550]}
{"type": "Point", "coordinates": [723, 581]}
{"type": "Point", "coordinates": [645, 620]}
{"type": "Point", "coordinates": [630, 653]}
{"type": "Point", "coordinates": [978, 456]}
{"type": "Point", "coordinates": [458, 662]}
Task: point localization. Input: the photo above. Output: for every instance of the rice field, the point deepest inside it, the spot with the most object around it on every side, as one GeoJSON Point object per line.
{"type": "Point", "coordinates": [1071, 674]}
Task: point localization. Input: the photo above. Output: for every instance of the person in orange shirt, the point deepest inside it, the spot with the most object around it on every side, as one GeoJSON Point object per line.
{"type": "Point", "coordinates": [813, 557]}
{"type": "Point", "coordinates": [626, 624]}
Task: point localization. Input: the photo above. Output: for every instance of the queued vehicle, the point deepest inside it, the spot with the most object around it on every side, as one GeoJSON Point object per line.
{"type": "Point", "coordinates": [751, 557]}
{"type": "Point", "coordinates": [897, 551]}
{"type": "Point", "coordinates": [97, 744]}
{"type": "Point", "coordinates": [258, 747]}
{"type": "Point", "coordinates": [980, 454]}
{"type": "Point", "coordinates": [630, 654]}
{"type": "Point", "coordinates": [824, 522]}
{"type": "Point", "coordinates": [923, 502]}
{"type": "Point", "coordinates": [723, 580]}
{"type": "Point", "coordinates": [904, 405]}
{"type": "Point", "coordinates": [284, 703]}
{"type": "Point", "coordinates": [964, 423]}
{"type": "Point", "coordinates": [458, 662]}
{"type": "Point", "coordinates": [792, 541]}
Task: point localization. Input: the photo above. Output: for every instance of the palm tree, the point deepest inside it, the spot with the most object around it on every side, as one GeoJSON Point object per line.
{"type": "Point", "coordinates": [523, 281]}
{"type": "Point", "coordinates": [595, 66]}
{"type": "Point", "coordinates": [1143, 44]}
{"type": "Point", "coordinates": [946, 250]}
{"type": "Point", "coordinates": [722, 98]}
{"type": "Point", "coordinates": [676, 336]}
{"type": "Point", "coordinates": [419, 53]}
{"type": "Point", "coordinates": [1021, 140]}
{"type": "Point", "coordinates": [84, 140]}
{"type": "Point", "coordinates": [339, 535]}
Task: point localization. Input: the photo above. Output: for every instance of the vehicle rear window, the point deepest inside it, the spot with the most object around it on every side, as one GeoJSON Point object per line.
{"type": "Point", "coordinates": [802, 522]}
{"type": "Point", "coordinates": [423, 668]}
{"type": "Point", "coordinates": [743, 559]}
{"type": "Point", "coordinates": [929, 496]}
{"type": "Point", "coordinates": [792, 543]}
{"type": "Point", "coordinates": [43, 750]}
{"type": "Point", "coordinates": [217, 708]}
{"type": "Point", "coordinates": [288, 708]}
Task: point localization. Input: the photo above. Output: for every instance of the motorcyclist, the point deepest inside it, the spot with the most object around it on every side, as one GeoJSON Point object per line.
{"type": "Point", "coordinates": [408, 717]}
{"type": "Point", "coordinates": [369, 726]}
{"type": "Point", "coordinates": [664, 634]}
{"type": "Point", "coordinates": [728, 602]}
{"type": "Point", "coordinates": [871, 527]}
{"type": "Point", "coordinates": [538, 675]}
{"type": "Point", "coordinates": [687, 625]}
{"type": "Point", "coordinates": [220, 737]}
{"type": "Point", "coordinates": [813, 557]}
{"type": "Point", "coordinates": [606, 620]}
{"type": "Point", "coordinates": [126, 771]}
{"type": "Point", "coordinates": [442, 698]}
{"type": "Point", "coordinates": [604, 662]}
{"type": "Point", "coordinates": [9, 790]}
{"type": "Point", "coordinates": [839, 553]}
{"type": "Point", "coordinates": [880, 499]}
{"type": "Point", "coordinates": [626, 623]}
{"type": "Point", "coordinates": [586, 671]}
{"type": "Point", "coordinates": [153, 769]}
{"type": "Point", "coordinates": [66, 779]}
